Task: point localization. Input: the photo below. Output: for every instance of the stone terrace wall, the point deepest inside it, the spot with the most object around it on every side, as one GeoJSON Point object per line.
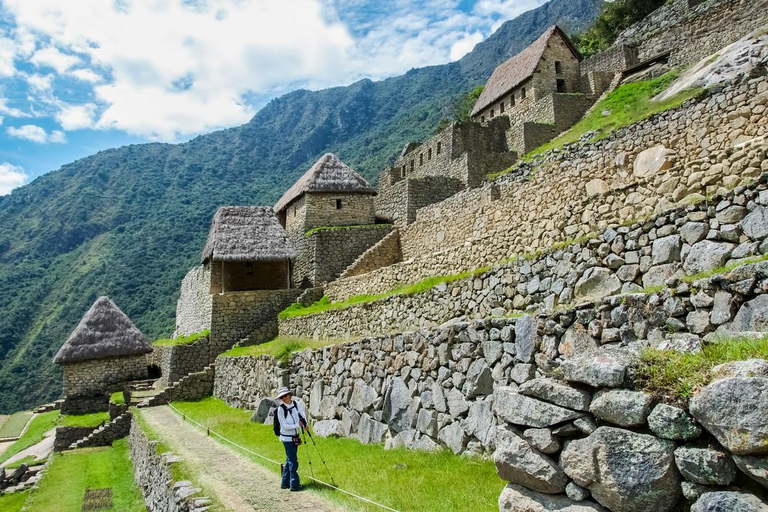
{"type": "Point", "coordinates": [583, 188]}
{"type": "Point", "coordinates": [243, 381]}
{"type": "Point", "coordinates": [693, 33]}
{"type": "Point", "coordinates": [333, 250]}
{"type": "Point", "coordinates": [386, 252]}
{"type": "Point", "coordinates": [153, 474]}
{"type": "Point", "coordinates": [193, 310]}
{"type": "Point", "coordinates": [252, 315]}
{"type": "Point", "coordinates": [399, 202]}
{"type": "Point", "coordinates": [687, 240]}
{"type": "Point", "coordinates": [103, 375]}
{"type": "Point", "coordinates": [613, 60]}
{"type": "Point", "coordinates": [178, 361]}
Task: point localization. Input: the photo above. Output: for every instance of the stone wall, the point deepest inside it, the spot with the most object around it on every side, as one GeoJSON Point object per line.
{"type": "Point", "coordinates": [154, 476]}
{"type": "Point", "coordinates": [400, 202]}
{"type": "Point", "coordinates": [250, 315]}
{"type": "Point", "coordinates": [106, 434]}
{"type": "Point", "coordinates": [321, 209]}
{"type": "Point", "coordinates": [178, 361]}
{"type": "Point", "coordinates": [694, 32]}
{"type": "Point", "coordinates": [684, 241]}
{"type": "Point", "coordinates": [613, 60]}
{"type": "Point", "coordinates": [243, 381]}
{"type": "Point", "coordinates": [102, 375]}
{"type": "Point", "coordinates": [325, 254]}
{"type": "Point", "coordinates": [386, 252]}
{"type": "Point", "coordinates": [193, 309]}
{"type": "Point", "coordinates": [66, 436]}
{"type": "Point", "coordinates": [583, 188]}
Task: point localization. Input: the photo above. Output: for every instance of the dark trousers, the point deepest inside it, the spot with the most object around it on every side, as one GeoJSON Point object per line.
{"type": "Point", "coordinates": [291, 466]}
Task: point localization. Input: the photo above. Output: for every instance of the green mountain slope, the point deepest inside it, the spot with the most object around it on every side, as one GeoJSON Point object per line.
{"type": "Point", "coordinates": [129, 222]}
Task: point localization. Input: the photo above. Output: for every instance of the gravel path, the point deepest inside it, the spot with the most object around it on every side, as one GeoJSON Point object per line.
{"type": "Point", "coordinates": [240, 484]}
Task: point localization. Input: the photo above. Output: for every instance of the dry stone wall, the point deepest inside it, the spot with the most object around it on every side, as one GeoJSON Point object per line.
{"type": "Point", "coordinates": [102, 375]}
{"type": "Point", "coordinates": [386, 252]}
{"type": "Point", "coordinates": [193, 310]}
{"type": "Point", "coordinates": [583, 188]}
{"type": "Point", "coordinates": [178, 361]}
{"type": "Point", "coordinates": [251, 316]}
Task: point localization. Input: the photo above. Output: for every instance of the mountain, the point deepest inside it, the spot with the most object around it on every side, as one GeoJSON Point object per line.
{"type": "Point", "coordinates": [130, 222]}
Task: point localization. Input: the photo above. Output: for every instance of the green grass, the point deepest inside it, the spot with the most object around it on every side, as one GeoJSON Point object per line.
{"type": "Point", "coordinates": [63, 486]}
{"type": "Point", "coordinates": [117, 398]}
{"type": "Point", "coordinates": [675, 376]}
{"type": "Point", "coordinates": [84, 420]}
{"type": "Point", "coordinates": [13, 502]}
{"type": "Point", "coordinates": [333, 228]}
{"type": "Point", "coordinates": [29, 460]}
{"type": "Point", "coordinates": [15, 424]}
{"type": "Point", "coordinates": [182, 340]}
{"type": "Point", "coordinates": [281, 348]}
{"type": "Point", "coordinates": [35, 433]}
{"type": "Point", "coordinates": [403, 479]}
{"type": "Point", "coordinates": [724, 269]}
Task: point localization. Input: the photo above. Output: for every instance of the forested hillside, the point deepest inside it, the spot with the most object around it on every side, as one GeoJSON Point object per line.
{"type": "Point", "coordinates": [130, 222]}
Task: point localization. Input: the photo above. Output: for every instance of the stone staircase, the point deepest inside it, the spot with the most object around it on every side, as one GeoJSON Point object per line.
{"type": "Point", "coordinates": [106, 434]}
{"type": "Point", "coordinates": [194, 386]}
{"type": "Point", "coordinates": [384, 253]}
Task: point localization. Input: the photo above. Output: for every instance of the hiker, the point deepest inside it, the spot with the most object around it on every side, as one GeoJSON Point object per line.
{"type": "Point", "coordinates": [290, 418]}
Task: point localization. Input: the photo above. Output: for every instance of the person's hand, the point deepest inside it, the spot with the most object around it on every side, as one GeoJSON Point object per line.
{"type": "Point", "coordinates": [303, 424]}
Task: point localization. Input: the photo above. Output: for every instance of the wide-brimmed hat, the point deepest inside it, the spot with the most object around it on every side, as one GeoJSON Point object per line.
{"type": "Point", "coordinates": [282, 391]}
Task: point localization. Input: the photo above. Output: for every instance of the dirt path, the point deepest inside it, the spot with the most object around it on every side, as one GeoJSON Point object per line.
{"type": "Point", "coordinates": [240, 484]}
{"type": "Point", "coordinates": [39, 451]}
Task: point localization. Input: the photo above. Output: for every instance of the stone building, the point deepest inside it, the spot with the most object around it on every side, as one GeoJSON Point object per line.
{"type": "Point", "coordinates": [105, 351]}
{"type": "Point", "coordinates": [329, 196]}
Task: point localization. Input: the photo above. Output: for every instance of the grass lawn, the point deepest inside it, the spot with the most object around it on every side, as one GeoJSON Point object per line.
{"type": "Point", "coordinates": [674, 376]}
{"type": "Point", "coordinates": [41, 424]}
{"type": "Point", "coordinates": [182, 340]}
{"type": "Point", "coordinates": [281, 347]}
{"type": "Point", "coordinates": [15, 424]}
{"type": "Point", "coordinates": [13, 502]}
{"type": "Point", "coordinates": [84, 420]}
{"type": "Point", "coordinates": [402, 479]}
{"type": "Point", "coordinates": [117, 398]}
{"type": "Point", "coordinates": [63, 486]}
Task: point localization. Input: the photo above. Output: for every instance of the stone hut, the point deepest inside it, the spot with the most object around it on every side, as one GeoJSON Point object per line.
{"type": "Point", "coordinates": [550, 65]}
{"type": "Point", "coordinates": [105, 351]}
{"type": "Point", "coordinates": [328, 194]}
{"type": "Point", "coordinates": [247, 249]}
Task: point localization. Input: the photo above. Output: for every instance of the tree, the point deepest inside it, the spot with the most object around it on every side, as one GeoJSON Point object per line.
{"type": "Point", "coordinates": [616, 17]}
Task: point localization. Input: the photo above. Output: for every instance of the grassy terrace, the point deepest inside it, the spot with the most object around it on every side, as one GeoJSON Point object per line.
{"type": "Point", "coordinates": [335, 228]}
{"type": "Point", "coordinates": [84, 420]}
{"type": "Point", "coordinates": [401, 479]}
{"type": "Point", "coordinates": [675, 376]}
{"type": "Point", "coordinates": [281, 348]}
{"type": "Point", "coordinates": [182, 340]}
{"type": "Point", "coordinates": [14, 424]}
{"type": "Point", "coordinates": [41, 424]}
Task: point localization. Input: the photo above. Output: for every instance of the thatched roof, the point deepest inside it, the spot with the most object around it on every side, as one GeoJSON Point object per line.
{"type": "Point", "coordinates": [104, 331]}
{"type": "Point", "coordinates": [519, 68]}
{"type": "Point", "coordinates": [329, 175]}
{"type": "Point", "coordinates": [247, 233]}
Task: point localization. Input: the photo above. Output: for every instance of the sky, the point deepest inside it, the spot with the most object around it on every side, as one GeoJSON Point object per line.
{"type": "Point", "coordinates": [79, 76]}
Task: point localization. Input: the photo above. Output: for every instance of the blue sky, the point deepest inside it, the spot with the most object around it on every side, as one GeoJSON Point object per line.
{"type": "Point", "coordinates": [79, 76]}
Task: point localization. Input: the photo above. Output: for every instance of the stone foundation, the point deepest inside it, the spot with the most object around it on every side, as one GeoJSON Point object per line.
{"type": "Point", "coordinates": [103, 375]}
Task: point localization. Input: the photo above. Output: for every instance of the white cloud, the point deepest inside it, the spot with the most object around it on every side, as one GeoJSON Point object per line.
{"type": "Point", "coordinates": [87, 75]}
{"type": "Point", "coordinates": [507, 9]}
{"type": "Point", "coordinates": [51, 57]}
{"type": "Point", "coordinates": [7, 55]}
{"type": "Point", "coordinates": [465, 45]}
{"type": "Point", "coordinates": [34, 133]}
{"type": "Point", "coordinates": [10, 111]}
{"type": "Point", "coordinates": [40, 82]}
{"type": "Point", "coordinates": [76, 117]}
{"type": "Point", "coordinates": [11, 176]}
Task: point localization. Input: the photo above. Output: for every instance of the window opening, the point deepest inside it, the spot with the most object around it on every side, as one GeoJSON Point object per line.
{"type": "Point", "coordinates": [558, 67]}
{"type": "Point", "coordinates": [338, 204]}
{"type": "Point", "coordinates": [560, 85]}
{"type": "Point", "coordinates": [439, 147]}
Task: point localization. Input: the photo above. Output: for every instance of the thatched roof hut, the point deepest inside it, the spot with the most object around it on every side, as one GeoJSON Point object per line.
{"type": "Point", "coordinates": [519, 68]}
{"type": "Point", "coordinates": [247, 233]}
{"type": "Point", "coordinates": [104, 331]}
{"type": "Point", "coordinates": [328, 175]}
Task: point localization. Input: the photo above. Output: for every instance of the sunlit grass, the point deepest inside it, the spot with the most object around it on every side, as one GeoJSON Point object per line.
{"type": "Point", "coordinates": [35, 433]}
{"type": "Point", "coordinates": [84, 420]}
{"type": "Point", "coordinates": [281, 348]}
{"type": "Point", "coordinates": [181, 340]}
{"type": "Point", "coordinates": [15, 424]}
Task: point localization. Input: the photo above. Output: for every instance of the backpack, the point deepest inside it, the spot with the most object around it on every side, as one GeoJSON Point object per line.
{"type": "Point", "coordinates": [276, 417]}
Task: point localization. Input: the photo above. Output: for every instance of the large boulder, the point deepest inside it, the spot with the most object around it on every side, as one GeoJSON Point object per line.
{"type": "Point", "coordinates": [624, 471]}
{"type": "Point", "coordinates": [370, 431]}
{"type": "Point", "coordinates": [576, 341]}
{"type": "Point", "coordinates": [263, 410]}
{"type": "Point", "coordinates": [479, 380]}
{"type": "Point", "coordinates": [752, 315]}
{"type": "Point", "coordinates": [652, 161]}
{"type": "Point", "coordinates": [622, 407]}
{"type": "Point", "coordinates": [397, 406]}
{"type": "Point", "coordinates": [454, 437]}
{"type": "Point", "coordinates": [597, 282]}
{"type": "Point", "coordinates": [315, 398]}
{"type": "Point", "coordinates": [481, 423]}
{"type": "Point", "coordinates": [727, 501]}
{"type": "Point", "coordinates": [755, 225]}
{"type": "Point", "coordinates": [707, 255]}
{"type": "Point", "coordinates": [516, 498]}
{"type": "Point", "coordinates": [672, 423]}
{"type": "Point", "coordinates": [518, 463]}
{"type": "Point", "coordinates": [705, 466]}
{"type": "Point", "coordinates": [556, 393]}
{"type": "Point", "coordinates": [666, 249]}
{"type": "Point", "coordinates": [755, 468]}
{"type": "Point", "coordinates": [606, 369]}
{"type": "Point", "coordinates": [734, 410]}
{"type": "Point", "coordinates": [328, 428]}
{"type": "Point", "coordinates": [518, 409]}
{"type": "Point", "coordinates": [525, 338]}
{"type": "Point", "coordinates": [363, 396]}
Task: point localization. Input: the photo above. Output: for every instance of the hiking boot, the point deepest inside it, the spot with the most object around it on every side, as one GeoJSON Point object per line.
{"type": "Point", "coordinates": [296, 489]}
{"type": "Point", "coordinates": [284, 487]}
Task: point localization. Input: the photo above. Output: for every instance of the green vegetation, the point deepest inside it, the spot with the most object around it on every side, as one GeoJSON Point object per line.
{"type": "Point", "coordinates": [117, 398]}
{"type": "Point", "coordinates": [627, 105]}
{"type": "Point", "coordinates": [333, 228]}
{"type": "Point", "coordinates": [616, 16]}
{"type": "Point", "coordinates": [402, 479]}
{"type": "Point", "coordinates": [15, 424]}
{"type": "Point", "coordinates": [676, 376]}
{"type": "Point", "coordinates": [13, 502]}
{"type": "Point", "coordinates": [29, 460]}
{"type": "Point", "coordinates": [63, 486]}
{"type": "Point", "coordinates": [84, 420]}
{"type": "Point", "coordinates": [181, 340]}
{"type": "Point", "coordinates": [460, 108]}
{"type": "Point", "coordinates": [35, 433]}
{"type": "Point", "coordinates": [281, 348]}
{"type": "Point", "coordinates": [724, 269]}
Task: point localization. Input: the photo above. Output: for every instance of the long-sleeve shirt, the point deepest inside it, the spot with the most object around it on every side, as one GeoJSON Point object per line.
{"type": "Point", "coordinates": [289, 420]}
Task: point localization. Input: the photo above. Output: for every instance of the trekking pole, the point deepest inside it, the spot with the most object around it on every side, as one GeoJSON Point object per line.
{"type": "Point", "coordinates": [311, 471]}
{"type": "Point", "coordinates": [321, 456]}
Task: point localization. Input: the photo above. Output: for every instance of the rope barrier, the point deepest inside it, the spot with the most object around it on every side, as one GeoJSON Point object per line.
{"type": "Point", "coordinates": [334, 487]}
